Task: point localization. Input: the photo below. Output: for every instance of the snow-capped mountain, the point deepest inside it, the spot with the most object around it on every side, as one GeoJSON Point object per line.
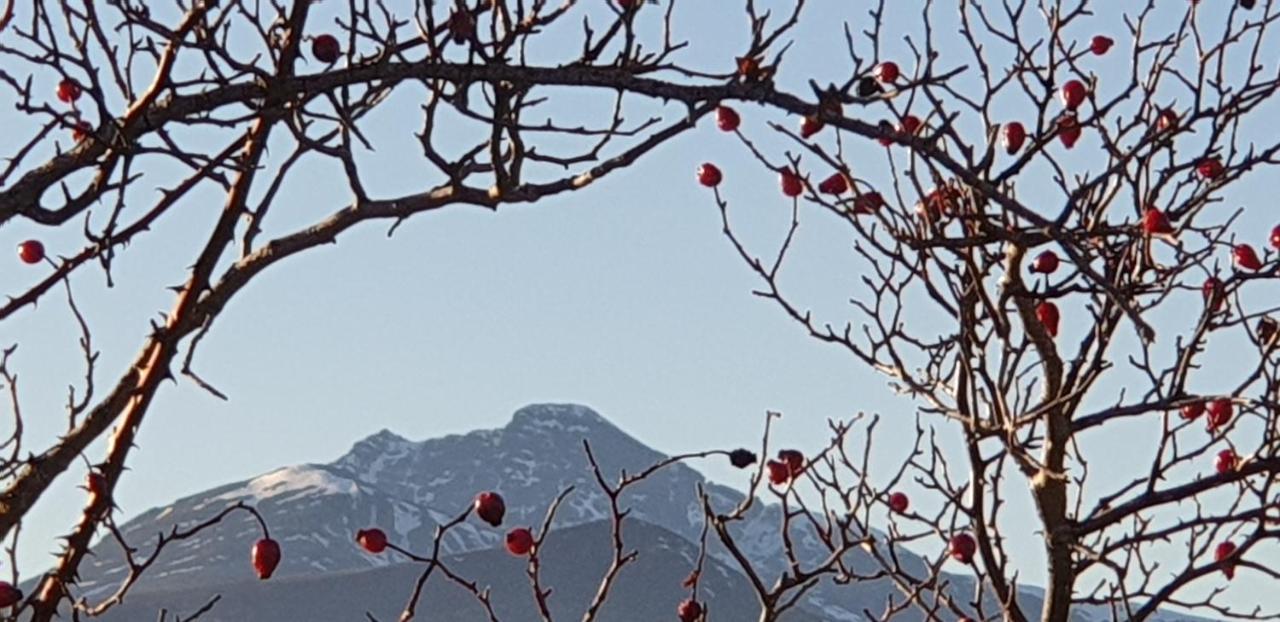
{"type": "Point", "coordinates": [408, 488]}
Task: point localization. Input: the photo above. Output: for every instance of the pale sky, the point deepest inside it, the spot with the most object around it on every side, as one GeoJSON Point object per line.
{"type": "Point", "coordinates": [624, 297]}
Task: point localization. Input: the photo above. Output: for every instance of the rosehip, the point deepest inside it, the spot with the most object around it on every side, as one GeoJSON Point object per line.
{"type": "Point", "coordinates": [1245, 257]}
{"type": "Point", "coordinates": [709, 175]}
{"type": "Point", "coordinates": [727, 119]}
{"type": "Point", "coordinates": [779, 473]}
{"type": "Point", "coordinates": [793, 459]}
{"type": "Point", "coordinates": [790, 182]}
{"type": "Point", "coordinates": [1045, 263]}
{"type": "Point", "coordinates": [1068, 131]}
{"type": "Point", "coordinates": [1209, 169]}
{"type": "Point", "coordinates": [1221, 552]}
{"type": "Point", "coordinates": [809, 126]}
{"type": "Point", "coordinates": [1226, 462]}
{"type": "Point", "coordinates": [1072, 94]}
{"type": "Point", "coordinates": [490, 507]}
{"type": "Point", "coordinates": [1014, 136]}
{"type": "Point", "coordinates": [519, 541]}
{"type": "Point", "coordinates": [31, 252]}
{"type": "Point", "coordinates": [835, 184]}
{"type": "Point", "coordinates": [868, 203]}
{"type": "Point", "coordinates": [1047, 313]}
{"type": "Point", "coordinates": [325, 48]}
{"type": "Point", "coordinates": [963, 547]}
{"type": "Point", "coordinates": [689, 610]}
{"type": "Point", "coordinates": [1220, 411]}
{"type": "Point", "coordinates": [898, 502]}
{"type": "Point", "coordinates": [909, 125]}
{"type": "Point", "coordinates": [887, 72]}
{"type": "Point", "coordinates": [68, 91]}
{"type": "Point", "coordinates": [372, 540]}
{"type": "Point", "coordinates": [265, 556]}
{"type": "Point", "coordinates": [1099, 45]}
{"type": "Point", "coordinates": [1155, 222]}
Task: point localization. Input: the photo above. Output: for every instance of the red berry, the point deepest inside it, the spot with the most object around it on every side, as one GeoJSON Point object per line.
{"type": "Point", "coordinates": [31, 252]}
{"type": "Point", "coordinates": [9, 595]}
{"type": "Point", "coordinates": [1072, 94]}
{"type": "Point", "coordinates": [963, 547]}
{"type": "Point", "coordinates": [1099, 45]}
{"type": "Point", "coordinates": [81, 130]}
{"type": "Point", "coordinates": [835, 184]}
{"type": "Point", "coordinates": [265, 556]}
{"type": "Point", "coordinates": [794, 461]}
{"type": "Point", "coordinates": [809, 126]}
{"type": "Point", "coordinates": [709, 175]}
{"type": "Point", "coordinates": [1220, 411]}
{"type": "Point", "coordinates": [1045, 263]}
{"type": "Point", "coordinates": [1014, 136]}
{"type": "Point", "coordinates": [325, 48]}
{"type": "Point", "coordinates": [748, 67]}
{"type": "Point", "coordinates": [1226, 462]}
{"type": "Point", "coordinates": [727, 119]}
{"type": "Point", "coordinates": [887, 72]}
{"type": "Point", "coordinates": [868, 203]}
{"type": "Point", "coordinates": [791, 183]}
{"type": "Point", "coordinates": [1167, 120]}
{"type": "Point", "coordinates": [68, 91]}
{"type": "Point", "coordinates": [1155, 222]}
{"type": "Point", "coordinates": [1209, 168]}
{"type": "Point", "coordinates": [779, 473]}
{"type": "Point", "coordinates": [1192, 411]}
{"type": "Point", "coordinates": [1068, 131]}
{"type": "Point", "coordinates": [1221, 552]}
{"type": "Point", "coordinates": [689, 610]}
{"type": "Point", "coordinates": [490, 507]}
{"type": "Point", "coordinates": [898, 502]}
{"type": "Point", "coordinates": [1275, 237]}
{"type": "Point", "coordinates": [372, 540]}
{"type": "Point", "coordinates": [909, 125]}
{"type": "Point", "coordinates": [1047, 313]}
{"type": "Point", "coordinates": [1245, 257]}
{"type": "Point", "coordinates": [519, 541]}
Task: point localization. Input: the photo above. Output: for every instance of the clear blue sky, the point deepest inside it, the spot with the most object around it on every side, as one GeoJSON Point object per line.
{"type": "Point", "coordinates": [624, 297]}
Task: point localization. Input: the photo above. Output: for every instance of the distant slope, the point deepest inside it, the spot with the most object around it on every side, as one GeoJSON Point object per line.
{"type": "Point", "coordinates": [575, 560]}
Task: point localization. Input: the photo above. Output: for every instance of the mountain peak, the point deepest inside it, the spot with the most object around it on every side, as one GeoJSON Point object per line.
{"type": "Point", "coordinates": [571, 417]}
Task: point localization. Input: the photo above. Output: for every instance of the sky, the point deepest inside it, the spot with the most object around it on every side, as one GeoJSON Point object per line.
{"type": "Point", "coordinates": [624, 297]}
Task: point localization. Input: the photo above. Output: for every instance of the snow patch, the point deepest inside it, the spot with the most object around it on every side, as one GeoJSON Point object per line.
{"type": "Point", "coordinates": [298, 480]}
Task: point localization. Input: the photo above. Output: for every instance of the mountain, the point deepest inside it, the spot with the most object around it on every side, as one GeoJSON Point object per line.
{"type": "Point", "coordinates": [409, 488]}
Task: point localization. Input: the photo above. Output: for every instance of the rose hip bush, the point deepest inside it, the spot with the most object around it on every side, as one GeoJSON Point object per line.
{"type": "Point", "coordinates": [1051, 212]}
